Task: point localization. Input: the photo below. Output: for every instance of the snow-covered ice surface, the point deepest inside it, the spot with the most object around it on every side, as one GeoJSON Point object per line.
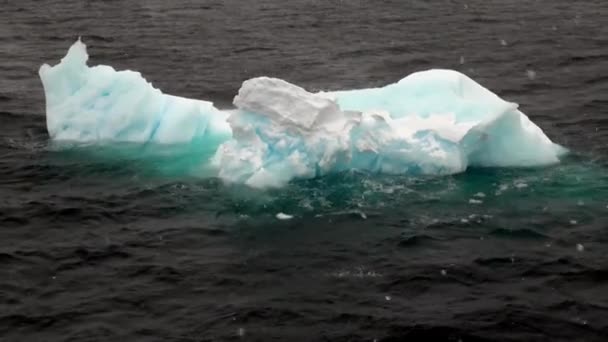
{"type": "Point", "coordinates": [433, 122]}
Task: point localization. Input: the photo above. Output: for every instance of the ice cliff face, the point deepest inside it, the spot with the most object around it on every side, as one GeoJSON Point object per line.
{"type": "Point", "coordinates": [433, 122]}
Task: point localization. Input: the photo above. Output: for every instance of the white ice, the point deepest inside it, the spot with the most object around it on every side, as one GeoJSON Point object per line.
{"type": "Point", "coordinates": [433, 122]}
{"type": "Point", "coordinates": [99, 104]}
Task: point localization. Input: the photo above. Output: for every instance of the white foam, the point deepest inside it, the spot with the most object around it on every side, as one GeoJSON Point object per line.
{"type": "Point", "coordinates": [283, 216]}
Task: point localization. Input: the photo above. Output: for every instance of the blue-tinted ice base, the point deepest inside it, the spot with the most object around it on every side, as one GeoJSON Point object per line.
{"type": "Point", "coordinates": [434, 122]}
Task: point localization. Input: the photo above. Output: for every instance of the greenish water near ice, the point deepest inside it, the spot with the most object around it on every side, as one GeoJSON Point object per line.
{"type": "Point", "coordinates": [530, 200]}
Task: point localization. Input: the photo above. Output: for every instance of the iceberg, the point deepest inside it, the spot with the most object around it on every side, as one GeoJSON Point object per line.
{"type": "Point", "coordinates": [100, 105]}
{"type": "Point", "coordinates": [434, 122]}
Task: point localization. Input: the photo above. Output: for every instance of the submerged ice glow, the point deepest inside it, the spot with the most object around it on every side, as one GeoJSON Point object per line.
{"type": "Point", "coordinates": [433, 123]}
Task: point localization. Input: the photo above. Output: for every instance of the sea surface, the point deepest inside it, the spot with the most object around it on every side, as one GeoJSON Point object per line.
{"type": "Point", "coordinates": [119, 244]}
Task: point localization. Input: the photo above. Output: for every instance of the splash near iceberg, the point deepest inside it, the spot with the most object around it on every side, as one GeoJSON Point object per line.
{"type": "Point", "coordinates": [434, 122]}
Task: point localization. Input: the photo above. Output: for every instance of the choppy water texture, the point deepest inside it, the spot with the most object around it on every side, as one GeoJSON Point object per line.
{"type": "Point", "coordinates": [121, 244]}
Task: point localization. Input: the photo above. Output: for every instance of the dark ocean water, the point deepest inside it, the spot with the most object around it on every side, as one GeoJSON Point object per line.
{"type": "Point", "coordinates": [113, 245]}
